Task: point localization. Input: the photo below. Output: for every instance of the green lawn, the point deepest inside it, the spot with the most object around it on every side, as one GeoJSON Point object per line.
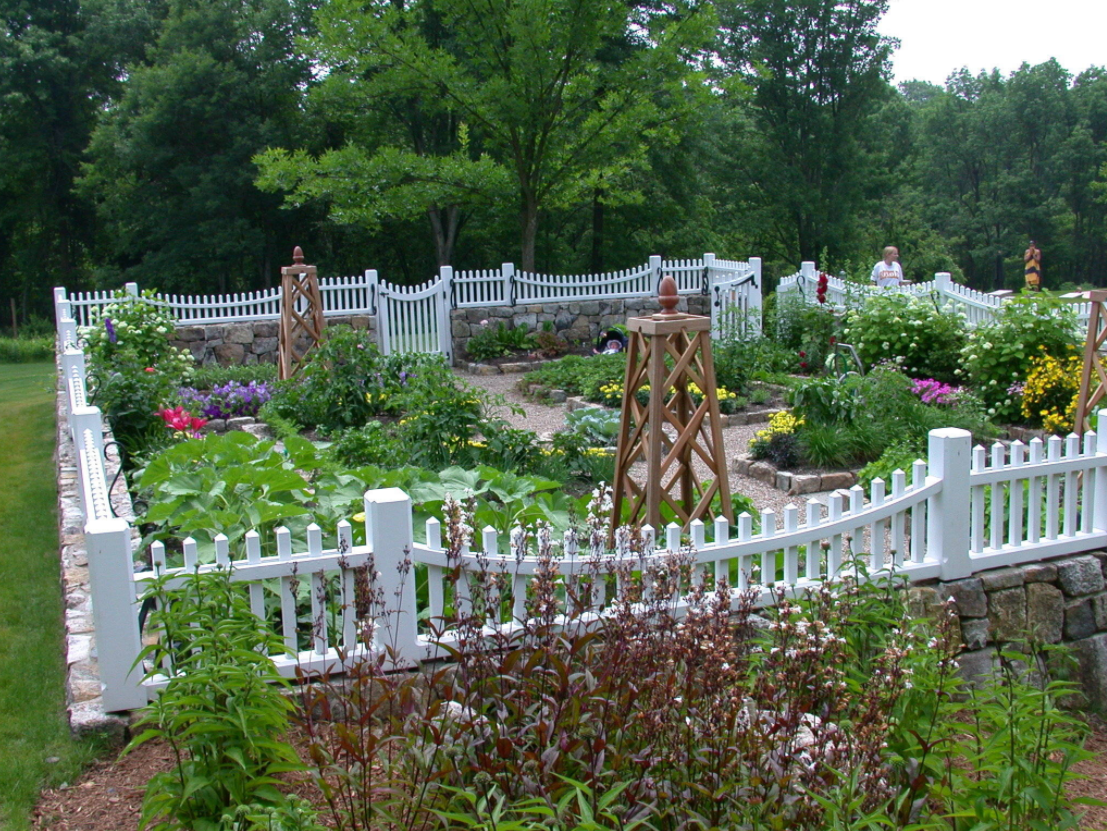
{"type": "Point", "coordinates": [33, 728]}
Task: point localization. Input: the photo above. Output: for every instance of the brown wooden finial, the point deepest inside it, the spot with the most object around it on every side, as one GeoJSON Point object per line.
{"type": "Point", "coordinates": [297, 256]}
{"type": "Point", "coordinates": [668, 296]}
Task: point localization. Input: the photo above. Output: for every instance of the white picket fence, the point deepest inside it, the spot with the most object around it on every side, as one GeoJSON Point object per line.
{"type": "Point", "coordinates": [967, 510]}
{"type": "Point", "coordinates": [977, 307]}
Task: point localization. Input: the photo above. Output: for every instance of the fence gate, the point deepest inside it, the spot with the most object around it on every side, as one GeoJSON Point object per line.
{"type": "Point", "coordinates": [415, 318]}
{"type": "Point", "coordinates": [735, 290]}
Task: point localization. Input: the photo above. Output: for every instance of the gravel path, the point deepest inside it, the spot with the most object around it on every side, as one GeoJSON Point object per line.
{"type": "Point", "coordinates": [545, 418]}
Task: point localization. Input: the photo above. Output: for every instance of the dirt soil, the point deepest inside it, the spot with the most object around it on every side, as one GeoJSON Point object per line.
{"type": "Point", "coordinates": [108, 797]}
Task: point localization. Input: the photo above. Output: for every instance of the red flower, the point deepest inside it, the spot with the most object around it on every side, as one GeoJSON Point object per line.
{"type": "Point", "coordinates": [803, 364]}
{"type": "Point", "coordinates": [181, 420]}
{"type": "Point", "coordinates": [833, 340]}
{"type": "Point", "coordinates": [149, 369]}
{"type": "Point", "coordinates": [803, 354]}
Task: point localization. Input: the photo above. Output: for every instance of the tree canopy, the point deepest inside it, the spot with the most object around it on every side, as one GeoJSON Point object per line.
{"type": "Point", "coordinates": [190, 144]}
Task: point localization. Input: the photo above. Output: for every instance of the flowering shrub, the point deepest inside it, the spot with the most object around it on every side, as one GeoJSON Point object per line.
{"type": "Point", "coordinates": [230, 400]}
{"type": "Point", "coordinates": [133, 330]}
{"type": "Point", "coordinates": [931, 391]}
{"type": "Point", "coordinates": [923, 339]}
{"type": "Point", "coordinates": [777, 443]}
{"type": "Point", "coordinates": [133, 370]}
{"type": "Point", "coordinates": [1050, 394]}
{"type": "Point", "coordinates": [997, 356]}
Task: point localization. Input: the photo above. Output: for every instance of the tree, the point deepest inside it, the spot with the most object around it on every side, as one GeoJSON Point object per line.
{"type": "Point", "coordinates": [564, 95]}
{"type": "Point", "coordinates": [817, 70]}
{"type": "Point", "coordinates": [171, 169]}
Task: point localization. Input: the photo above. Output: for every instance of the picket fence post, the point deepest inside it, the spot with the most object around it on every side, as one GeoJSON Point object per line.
{"type": "Point", "coordinates": [942, 282]}
{"type": "Point", "coordinates": [388, 530]}
{"type": "Point", "coordinates": [115, 613]}
{"type": "Point", "coordinates": [755, 299]}
{"type": "Point", "coordinates": [507, 274]}
{"type": "Point", "coordinates": [947, 512]}
{"type": "Point", "coordinates": [1099, 505]}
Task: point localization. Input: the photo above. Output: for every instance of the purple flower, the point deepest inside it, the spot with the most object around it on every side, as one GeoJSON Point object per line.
{"type": "Point", "coordinates": [110, 329]}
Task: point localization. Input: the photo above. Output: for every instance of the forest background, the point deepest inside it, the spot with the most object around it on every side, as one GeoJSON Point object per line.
{"type": "Point", "coordinates": [188, 145]}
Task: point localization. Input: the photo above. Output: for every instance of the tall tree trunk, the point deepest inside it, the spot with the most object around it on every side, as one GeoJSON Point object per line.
{"type": "Point", "coordinates": [597, 232]}
{"type": "Point", "coordinates": [444, 222]}
{"type": "Point", "coordinates": [528, 220]}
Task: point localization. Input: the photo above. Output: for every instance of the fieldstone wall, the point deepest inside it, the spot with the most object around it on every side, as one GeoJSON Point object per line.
{"type": "Point", "coordinates": [238, 344]}
{"type": "Point", "coordinates": [576, 321]}
{"type": "Point", "coordinates": [1060, 601]}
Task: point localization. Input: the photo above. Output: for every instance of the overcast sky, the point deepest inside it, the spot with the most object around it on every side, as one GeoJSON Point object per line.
{"type": "Point", "coordinates": [939, 36]}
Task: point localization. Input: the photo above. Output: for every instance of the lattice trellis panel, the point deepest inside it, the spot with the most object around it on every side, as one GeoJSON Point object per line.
{"type": "Point", "coordinates": [1093, 364]}
{"type": "Point", "coordinates": [301, 315]}
{"type": "Point", "coordinates": [668, 353]}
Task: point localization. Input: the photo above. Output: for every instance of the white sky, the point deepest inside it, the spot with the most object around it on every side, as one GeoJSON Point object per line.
{"type": "Point", "coordinates": [938, 37]}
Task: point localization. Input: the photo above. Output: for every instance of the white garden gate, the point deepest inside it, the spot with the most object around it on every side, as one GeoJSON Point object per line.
{"type": "Point", "coordinates": [415, 318]}
{"type": "Point", "coordinates": [735, 296]}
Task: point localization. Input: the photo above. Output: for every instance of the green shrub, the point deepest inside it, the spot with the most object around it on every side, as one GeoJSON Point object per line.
{"type": "Point", "coordinates": [223, 712]}
{"type": "Point", "coordinates": [24, 350]}
{"type": "Point", "coordinates": [804, 331]}
{"type": "Point", "coordinates": [499, 341]}
{"type": "Point", "coordinates": [910, 331]}
{"type": "Point", "coordinates": [997, 356]}
{"type": "Point", "coordinates": [346, 382]}
{"type": "Point", "coordinates": [133, 371]}
{"type": "Point", "coordinates": [579, 375]}
{"type": "Point", "coordinates": [851, 420]}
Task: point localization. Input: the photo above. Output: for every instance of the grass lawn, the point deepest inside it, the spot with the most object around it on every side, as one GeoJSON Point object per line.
{"type": "Point", "coordinates": [33, 727]}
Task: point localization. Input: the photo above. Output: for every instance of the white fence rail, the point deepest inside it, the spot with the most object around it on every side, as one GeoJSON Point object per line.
{"type": "Point", "coordinates": [977, 307]}
{"type": "Point", "coordinates": [358, 295]}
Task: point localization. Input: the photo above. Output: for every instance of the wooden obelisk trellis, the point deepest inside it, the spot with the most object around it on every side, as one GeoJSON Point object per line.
{"type": "Point", "coordinates": [669, 352]}
{"type": "Point", "coordinates": [301, 314]}
{"type": "Point", "coordinates": [1093, 364]}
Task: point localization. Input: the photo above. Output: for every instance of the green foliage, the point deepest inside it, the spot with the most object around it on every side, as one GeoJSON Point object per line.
{"type": "Point", "coordinates": [223, 712]}
{"type": "Point", "coordinates": [499, 341]}
{"type": "Point", "coordinates": [997, 356]}
{"type": "Point", "coordinates": [169, 166]}
{"type": "Point", "coordinates": [900, 455]}
{"type": "Point", "coordinates": [910, 331]}
{"type": "Point", "coordinates": [346, 382]}
{"type": "Point", "coordinates": [851, 420]}
{"type": "Point", "coordinates": [805, 330]}
{"type": "Point", "coordinates": [559, 98]}
{"type": "Point", "coordinates": [23, 350]}
{"type": "Point", "coordinates": [133, 371]}
{"type": "Point", "coordinates": [741, 361]}
{"type": "Point", "coordinates": [234, 483]}
{"type": "Point", "coordinates": [596, 425]}
{"type": "Point", "coordinates": [579, 375]}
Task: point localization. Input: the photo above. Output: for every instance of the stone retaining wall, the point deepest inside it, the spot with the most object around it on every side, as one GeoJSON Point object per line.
{"type": "Point", "coordinates": [576, 321]}
{"type": "Point", "coordinates": [238, 344]}
{"type": "Point", "coordinates": [1061, 601]}
{"type": "Point", "coordinates": [256, 342]}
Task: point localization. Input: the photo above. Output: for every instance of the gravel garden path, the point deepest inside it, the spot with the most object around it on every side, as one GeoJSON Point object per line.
{"type": "Point", "coordinates": [545, 418]}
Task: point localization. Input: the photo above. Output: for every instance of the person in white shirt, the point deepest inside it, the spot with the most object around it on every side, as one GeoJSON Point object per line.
{"type": "Point", "coordinates": [887, 272]}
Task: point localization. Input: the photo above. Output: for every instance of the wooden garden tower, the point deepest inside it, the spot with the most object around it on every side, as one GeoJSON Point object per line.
{"type": "Point", "coordinates": [1093, 371]}
{"type": "Point", "coordinates": [669, 352]}
{"type": "Point", "coordinates": [301, 314]}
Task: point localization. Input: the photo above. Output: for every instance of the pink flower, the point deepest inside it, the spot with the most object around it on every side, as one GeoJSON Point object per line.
{"type": "Point", "coordinates": [181, 421]}
{"type": "Point", "coordinates": [149, 369]}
